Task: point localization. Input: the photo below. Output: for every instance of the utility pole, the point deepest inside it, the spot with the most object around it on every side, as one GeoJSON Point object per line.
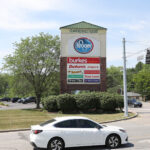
{"type": "Point", "coordinates": [125, 79]}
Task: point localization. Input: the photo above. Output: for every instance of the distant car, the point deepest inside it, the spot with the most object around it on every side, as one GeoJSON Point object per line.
{"type": "Point", "coordinates": [134, 103]}
{"type": "Point", "coordinates": [20, 100]}
{"type": "Point", "coordinates": [64, 132]}
{"type": "Point", "coordinates": [15, 99]}
{"type": "Point", "coordinates": [5, 99]}
{"type": "Point", "coordinates": [29, 100]}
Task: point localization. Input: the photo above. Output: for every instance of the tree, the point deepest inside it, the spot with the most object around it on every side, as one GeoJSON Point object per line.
{"type": "Point", "coordinates": [114, 78]}
{"type": "Point", "coordinates": [19, 86]}
{"type": "Point", "coordinates": [3, 84]}
{"type": "Point", "coordinates": [139, 66]}
{"type": "Point", "coordinates": [130, 82]}
{"type": "Point", "coordinates": [37, 59]}
{"type": "Point", "coordinates": [142, 81]}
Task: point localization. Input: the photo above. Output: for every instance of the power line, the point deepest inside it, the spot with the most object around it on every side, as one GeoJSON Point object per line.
{"type": "Point", "coordinates": [138, 41]}
{"type": "Point", "coordinates": [143, 43]}
{"type": "Point", "coordinates": [138, 52]}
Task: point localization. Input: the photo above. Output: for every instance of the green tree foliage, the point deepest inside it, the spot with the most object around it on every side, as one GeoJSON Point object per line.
{"type": "Point", "coordinates": [37, 59]}
{"type": "Point", "coordinates": [4, 84]}
{"type": "Point", "coordinates": [130, 75]}
{"type": "Point", "coordinates": [114, 78]}
{"type": "Point", "coordinates": [142, 81]}
{"type": "Point", "coordinates": [19, 86]}
{"type": "Point", "coordinates": [139, 66]}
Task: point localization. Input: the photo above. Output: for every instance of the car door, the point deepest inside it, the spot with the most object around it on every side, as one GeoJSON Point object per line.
{"type": "Point", "coordinates": [91, 132]}
{"type": "Point", "coordinates": [70, 133]}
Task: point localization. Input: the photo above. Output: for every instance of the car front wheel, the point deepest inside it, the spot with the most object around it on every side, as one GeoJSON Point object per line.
{"type": "Point", "coordinates": [56, 144]}
{"type": "Point", "coordinates": [113, 141]}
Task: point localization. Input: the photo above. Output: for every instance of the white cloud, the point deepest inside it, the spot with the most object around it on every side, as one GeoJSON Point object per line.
{"type": "Point", "coordinates": [15, 14]}
{"type": "Point", "coordinates": [38, 5]}
{"type": "Point", "coordinates": [23, 25]}
{"type": "Point", "coordinates": [136, 26]}
{"type": "Point", "coordinates": [130, 25]}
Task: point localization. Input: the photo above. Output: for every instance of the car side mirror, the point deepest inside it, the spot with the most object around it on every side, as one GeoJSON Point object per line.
{"type": "Point", "coordinates": [98, 127]}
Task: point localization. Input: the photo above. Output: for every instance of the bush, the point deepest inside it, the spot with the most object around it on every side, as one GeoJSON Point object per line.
{"type": "Point", "coordinates": [87, 102]}
{"type": "Point", "coordinates": [108, 102]}
{"type": "Point", "coordinates": [84, 102]}
{"type": "Point", "coordinates": [66, 103]}
{"type": "Point", "coordinates": [50, 103]}
{"type": "Point", "coordinates": [119, 101]}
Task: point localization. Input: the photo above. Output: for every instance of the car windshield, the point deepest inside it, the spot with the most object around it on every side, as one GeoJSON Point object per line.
{"type": "Point", "coordinates": [47, 122]}
{"type": "Point", "coordinates": [133, 100]}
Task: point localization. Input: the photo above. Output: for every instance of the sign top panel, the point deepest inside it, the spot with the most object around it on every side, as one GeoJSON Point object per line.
{"type": "Point", "coordinates": [83, 60]}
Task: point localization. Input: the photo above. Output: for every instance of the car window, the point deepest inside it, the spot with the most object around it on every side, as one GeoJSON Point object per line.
{"type": "Point", "coordinates": [133, 100]}
{"type": "Point", "coordinates": [47, 122]}
{"type": "Point", "coordinates": [66, 124]}
{"type": "Point", "coordinates": [86, 124]}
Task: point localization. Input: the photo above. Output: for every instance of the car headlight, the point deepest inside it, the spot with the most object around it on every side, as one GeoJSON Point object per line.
{"type": "Point", "coordinates": [122, 130]}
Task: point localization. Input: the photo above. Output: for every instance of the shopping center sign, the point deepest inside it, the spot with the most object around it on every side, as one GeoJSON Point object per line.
{"type": "Point", "coordinates": [83, 45]}
{"type": "Point", "coordinates": [82, 57]}
{"type": "Point", "coordinates": [83, 70]}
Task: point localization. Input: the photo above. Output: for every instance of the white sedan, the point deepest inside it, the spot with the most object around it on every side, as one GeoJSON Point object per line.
{"type": "Point", "coordinates": [64, 132]}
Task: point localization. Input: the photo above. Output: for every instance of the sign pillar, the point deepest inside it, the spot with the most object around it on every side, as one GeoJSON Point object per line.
{"type": "Point", "coordinates": [83, 58]}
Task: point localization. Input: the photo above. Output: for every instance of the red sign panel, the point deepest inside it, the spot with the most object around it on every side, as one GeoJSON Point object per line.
{"type": "Point", "coordinates": [91, 71]}
{"type": "Point", "coordinates": [83, 60]}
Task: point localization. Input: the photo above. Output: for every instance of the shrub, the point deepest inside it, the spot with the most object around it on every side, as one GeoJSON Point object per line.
{"type": "Point", "coordinates": [119, 101]}
{"type": "Point", "coordinates": [66, 103]}
{"type": "Point", "coordinates": [87, 102]}
{"type": "Point", "coordinates": [50, 103]}
{"type": "Point", "coordinates": [108, 102]}
{"type": "Point", "coordinates": [84, 102]}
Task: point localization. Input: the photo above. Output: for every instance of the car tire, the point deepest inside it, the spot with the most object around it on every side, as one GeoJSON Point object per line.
{"type": "Point", "coordinates": [113, 141]}
{"type": "Point", "coordinates": [55, 144]}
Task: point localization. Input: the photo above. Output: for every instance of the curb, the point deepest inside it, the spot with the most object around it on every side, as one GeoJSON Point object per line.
{"type": "Point", "coordinates": [27, 129]}
{"type": "Point", "coordinates": [15, 130]}
{"type": "Point", "coordinates": [135, 115]}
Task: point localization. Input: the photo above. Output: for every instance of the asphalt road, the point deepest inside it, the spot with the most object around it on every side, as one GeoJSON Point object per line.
{"type": "Point", "coordinates": [138, 130]}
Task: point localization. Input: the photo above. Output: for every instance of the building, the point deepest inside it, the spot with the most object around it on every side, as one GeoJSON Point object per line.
{"type": "Point", "coordinates": [137, 96]}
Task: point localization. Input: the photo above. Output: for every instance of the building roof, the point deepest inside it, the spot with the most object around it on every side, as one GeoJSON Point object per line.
{"type": "Point", "coordinates": [83, 25]}
{"type": "Point", "coordinates": [133, 94]}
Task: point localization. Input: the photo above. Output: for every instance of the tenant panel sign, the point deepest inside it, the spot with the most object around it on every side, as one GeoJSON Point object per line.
{"type": "Point", "coordinates": [87, 46]}
{"type": "Point", "coordinates": [83, 70]}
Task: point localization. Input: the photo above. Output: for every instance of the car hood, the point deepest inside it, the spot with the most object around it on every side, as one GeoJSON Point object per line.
{"type": "Point", "coordinates": [111, 128]}
{"type": "Point", "coordinates": [138, 103]}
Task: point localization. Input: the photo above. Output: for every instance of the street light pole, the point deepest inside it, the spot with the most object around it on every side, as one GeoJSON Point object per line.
{"type": "Point", "coordinates": [125, 80]}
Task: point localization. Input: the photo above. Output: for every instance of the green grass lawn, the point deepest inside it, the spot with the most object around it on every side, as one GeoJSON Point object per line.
{"type": "Point", "coordinates": [19, 119]}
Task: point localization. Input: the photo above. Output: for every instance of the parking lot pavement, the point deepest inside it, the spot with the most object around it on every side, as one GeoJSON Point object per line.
{"type": "Point", "coordinates": [20, 141]}
{"type": "Point", "coordinates": [137, 128]}
{"type": "Point", "coordinates": [15, 141]}
{"type": "Point", "coordinates": [17, 106]}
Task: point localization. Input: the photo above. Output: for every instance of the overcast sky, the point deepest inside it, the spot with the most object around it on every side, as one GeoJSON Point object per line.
{"type": "Point", "coordinates": [122, 18]}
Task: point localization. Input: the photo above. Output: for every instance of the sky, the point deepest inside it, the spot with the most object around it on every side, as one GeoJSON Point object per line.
{"type": "Point", "coordinates": [122, 18]}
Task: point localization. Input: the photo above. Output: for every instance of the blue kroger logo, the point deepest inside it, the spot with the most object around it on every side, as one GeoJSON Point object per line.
{"type": "Point", "coordinates": [83, 45]}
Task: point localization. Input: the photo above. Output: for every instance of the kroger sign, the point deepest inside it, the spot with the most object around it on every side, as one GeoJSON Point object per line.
{"type": "Point", "coordinates": [83, 45]}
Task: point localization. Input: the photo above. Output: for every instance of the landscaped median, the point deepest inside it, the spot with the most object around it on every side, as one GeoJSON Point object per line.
{"type": "Point", "coordinates": [21, 119]}
{"type": "Point", "coordinates": [98, 106]}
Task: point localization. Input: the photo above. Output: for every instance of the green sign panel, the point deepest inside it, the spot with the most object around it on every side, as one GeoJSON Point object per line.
{"type": "Point", "coordinates": [76, 76]}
